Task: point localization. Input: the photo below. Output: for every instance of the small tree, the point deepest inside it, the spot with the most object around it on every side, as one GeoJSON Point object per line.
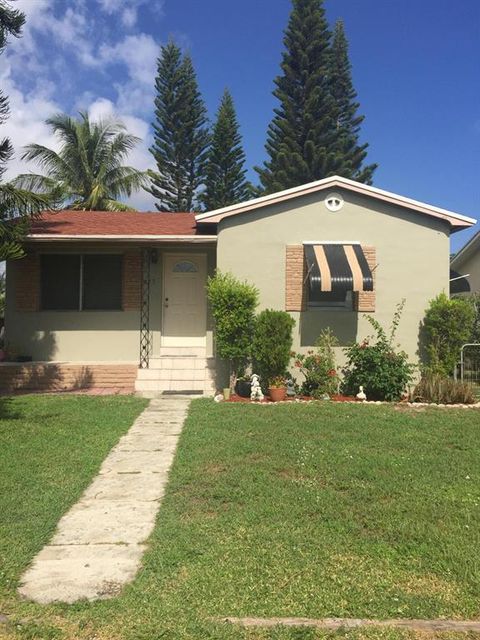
{"type": "Point", "coordinates": [233, 305]}
{"type": "Point", "coordinates": [272, 344]}
{"type": "Point", "coordinates": [448, 324]}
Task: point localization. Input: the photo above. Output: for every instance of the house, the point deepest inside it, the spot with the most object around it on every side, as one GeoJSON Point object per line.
{"type": "Point", "coordinates": [118, 299]}
{"type": "Point", "coordinates": [466, 263]}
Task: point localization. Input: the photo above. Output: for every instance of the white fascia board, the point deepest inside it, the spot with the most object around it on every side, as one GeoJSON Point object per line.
{"type": "Point", "coordinates": [44, 237]}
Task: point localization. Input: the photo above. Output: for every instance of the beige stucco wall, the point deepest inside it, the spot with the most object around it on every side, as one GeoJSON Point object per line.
{"type": "Point", "coordinates": [472, 266]}
{"type": "Point", "coordinates": [412, 256]}
{"type": "Point", "coordinates": [79, 336]}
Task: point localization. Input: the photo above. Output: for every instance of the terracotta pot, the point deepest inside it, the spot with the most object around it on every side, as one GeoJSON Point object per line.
{"type": "Point", "coordinates": [277, 394]}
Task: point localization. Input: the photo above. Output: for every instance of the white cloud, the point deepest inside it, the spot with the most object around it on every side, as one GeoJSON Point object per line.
{"type": "Point", "coordinates": [137, 52]}
{"type": "Point", "coordinates": [26, 75]}
{"type": "Point", "coordinates": [128, 9]}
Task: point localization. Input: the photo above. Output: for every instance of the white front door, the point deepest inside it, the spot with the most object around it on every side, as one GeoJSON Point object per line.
{"type": "Point", "coordinates": [184, 300]}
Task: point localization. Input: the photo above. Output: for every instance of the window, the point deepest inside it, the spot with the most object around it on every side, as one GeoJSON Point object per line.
{"type": "Point", "coordinates": [185, 266]}
{"type": "Point", "coordinates": [81, 282]}
{"type": "Point", "coordinates": [102, 282]}
{"type": "Point", "coordinates": [330, 300]}
{"type": "Point", "coordinates": [60, 282]}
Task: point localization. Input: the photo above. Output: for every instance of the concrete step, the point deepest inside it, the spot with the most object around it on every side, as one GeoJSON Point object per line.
{"type": "Point", "coordinates": [183, 352]}
{"type": "Point", "coordinates": [186, 386]}
{"type": "Point", "coordinates": [181, 362]}
{"type": "Point", "coordinates": [175, 374]}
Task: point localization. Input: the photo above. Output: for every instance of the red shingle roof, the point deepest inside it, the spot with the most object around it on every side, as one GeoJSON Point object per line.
{"type": "Point", "coordinates": [99, 223]}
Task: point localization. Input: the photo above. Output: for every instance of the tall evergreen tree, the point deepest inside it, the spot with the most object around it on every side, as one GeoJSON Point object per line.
{"type": "Point", "coordinates": [225, 181]}
{"type": "Point", "coordinates": [301, 135]}
{"type": "Point", "coordinates": [350, 153]}
{"type": "Point", "coordinates": [17, 206]}
{"type": "Point", "coordinates": [181, 135]}
{"type": "Point", "coordinates": [314, 132]}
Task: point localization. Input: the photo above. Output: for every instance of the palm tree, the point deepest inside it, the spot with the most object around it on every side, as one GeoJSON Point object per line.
{"type": "Point", "coordinates": [17, 206]}
{"type": "Point", "coordinates": [87, 173]}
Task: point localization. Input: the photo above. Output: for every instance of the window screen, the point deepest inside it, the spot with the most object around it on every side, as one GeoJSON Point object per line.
{"type": "Point", "coordinates": [102, 282]}
{"type": "Point", "coordinates": [60, 282]}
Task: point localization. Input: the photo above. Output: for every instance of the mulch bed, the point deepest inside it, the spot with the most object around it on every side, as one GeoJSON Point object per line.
{"type": "Point", "coordinates": [336, 398]}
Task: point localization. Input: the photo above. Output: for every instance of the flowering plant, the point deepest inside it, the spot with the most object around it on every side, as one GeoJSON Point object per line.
{"type": "Point", "coordinates": [375, 363]}
{"type": "Point", "coordinates": [277, 383]}
{"type": "Point", "coordinates": [318, 367]}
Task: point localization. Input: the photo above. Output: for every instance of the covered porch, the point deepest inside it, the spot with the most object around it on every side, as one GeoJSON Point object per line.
{"type": "Point", "coordinates": [86, 298]}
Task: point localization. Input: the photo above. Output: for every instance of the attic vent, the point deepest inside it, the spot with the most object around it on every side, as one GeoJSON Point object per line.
{"type": "Point", "coordinates": [334, 202]}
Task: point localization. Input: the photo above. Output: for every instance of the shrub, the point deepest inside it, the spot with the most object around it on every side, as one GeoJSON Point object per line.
{"type": "Point", "coordinates": [318, 367]}
{"type": "Point", "coordinates": [233, 305]}
{"type": "Point", "coordinates": [435, 388]}
{"type": "Point", "coordinates": [474, 300]}
{"type": "Point", "coordinates": [383, 371]}
{"type": "Point", "coordinates": [272, 344]}
{"type": "Point", "coordinates": [448, 324]}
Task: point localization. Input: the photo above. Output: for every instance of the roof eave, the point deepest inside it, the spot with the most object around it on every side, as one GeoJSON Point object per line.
{"type": "Point", "coordinates": [48, 237]}
{"type": "Point", "coordinates": [456, 220]}
{"type": "Point", "coordinates": [466, 250]}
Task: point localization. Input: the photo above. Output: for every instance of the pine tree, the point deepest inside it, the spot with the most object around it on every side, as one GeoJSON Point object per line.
{"type": "Point", "coordinates": [302, 132]}
{"type": "Point", "coordinates": [349, 152]}
{"type": "Point", "coordinates": [180, 133]}
{"type": "Point", "coordinates": [225, 181]}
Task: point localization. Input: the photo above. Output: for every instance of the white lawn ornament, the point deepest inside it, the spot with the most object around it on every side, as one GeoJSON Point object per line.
{"type": "Point", "coordinates": [361, 395]}
{"type": "Point", "coordinates": [256, 389]}
{"type": "Point", "coordinates": [219, 397]}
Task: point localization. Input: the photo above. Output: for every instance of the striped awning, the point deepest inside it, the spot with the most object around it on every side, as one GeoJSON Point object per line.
{"type": "Point", "coordinates": [338, 267]}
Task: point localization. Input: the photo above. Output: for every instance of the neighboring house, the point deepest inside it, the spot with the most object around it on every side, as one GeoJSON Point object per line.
{"type": "Point", "coordinates": [100, 293]}
{"type": "Point", "coordinates": [466, 263]}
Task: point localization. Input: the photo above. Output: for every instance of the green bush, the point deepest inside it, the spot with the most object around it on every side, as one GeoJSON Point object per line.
{"type": "Point", "coordinates": [383, 372]}
{"type": "Point", "coordinates": [233, 305]}
{"type": "Point", "coordinates": [436, 388]}
{"type": "Point", "coordinates": [318, 367]}
{"type": "Point", "coordinates": [272, 344]}
{"type": "Point", "coordinates": [448, 324]}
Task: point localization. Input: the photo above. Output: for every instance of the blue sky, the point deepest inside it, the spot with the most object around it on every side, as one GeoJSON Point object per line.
{"type": "Point", "coordinates": [415, 65]}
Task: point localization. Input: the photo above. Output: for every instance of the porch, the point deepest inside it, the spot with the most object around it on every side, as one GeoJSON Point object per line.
{"type": "Point", "coordinates": [153, 335]}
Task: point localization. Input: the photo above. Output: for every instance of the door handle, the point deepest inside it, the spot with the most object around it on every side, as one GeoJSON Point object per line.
{"type": "Point", "coordinates": [166, 302]}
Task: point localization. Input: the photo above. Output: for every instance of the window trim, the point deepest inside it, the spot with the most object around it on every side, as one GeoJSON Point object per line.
{"type": "Point", "coordinates": [80, 308]}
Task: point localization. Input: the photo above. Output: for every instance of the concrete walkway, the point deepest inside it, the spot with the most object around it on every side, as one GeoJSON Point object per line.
{"type": "Point", "coordinates": [355, 623]}
{"type": "Point", "coordinates": [99, 543]}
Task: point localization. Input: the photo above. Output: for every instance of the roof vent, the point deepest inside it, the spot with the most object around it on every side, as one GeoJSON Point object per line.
{"type": "Point", "coordinates": [334, 202]}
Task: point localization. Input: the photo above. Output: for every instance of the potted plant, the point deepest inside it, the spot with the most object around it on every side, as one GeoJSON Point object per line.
{"type": "Point", "coordinates": [277, 389]}
{"type": "Point", "coordinates": [243, 388]}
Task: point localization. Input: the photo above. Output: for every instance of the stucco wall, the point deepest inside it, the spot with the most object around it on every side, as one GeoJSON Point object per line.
{"type": "Point", "coordinates": [80, 336]}
{"type": "Point", "coordinates": [412, 255]}
{"type": "Point", "coordinates": [472, 266]}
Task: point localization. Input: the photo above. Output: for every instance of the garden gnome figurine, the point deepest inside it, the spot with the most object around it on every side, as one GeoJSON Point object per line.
{"type": "Point", "coordinates": [361, 395]}
{"type": "Point", "coordinates": [256, 392]}
{"type": "Point", "coordinates": [290, 389]}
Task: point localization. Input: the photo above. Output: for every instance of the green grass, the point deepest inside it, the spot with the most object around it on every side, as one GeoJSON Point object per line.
{"type": "Point", "coordinates": [295, 510]}
{"type": "Point", "coordinates": [51, 447]}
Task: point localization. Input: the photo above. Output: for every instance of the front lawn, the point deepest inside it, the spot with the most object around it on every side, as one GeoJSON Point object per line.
{"type": "Point", "coordinates": [50, 449]}
{"type": "Point", "coordinates": [308, 510]}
